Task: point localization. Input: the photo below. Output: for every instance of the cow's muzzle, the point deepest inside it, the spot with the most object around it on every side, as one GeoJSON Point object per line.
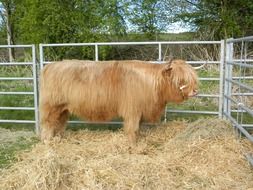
{"type": "Point", "coordinates": [193, 93]}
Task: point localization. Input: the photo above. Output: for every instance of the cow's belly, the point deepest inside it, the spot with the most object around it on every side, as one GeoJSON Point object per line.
{"type": "Point", "coordinates": [153, 115]}
{"type": "Point", "coordinates": [151, 119]}
{"type": "Point", "coordinates": [94, 113]}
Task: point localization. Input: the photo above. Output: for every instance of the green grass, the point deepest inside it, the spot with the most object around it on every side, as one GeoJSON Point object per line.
{"type": "Point", "coordinates": [187, 117]}
{"type": "Point", "coordinates": [18, 126]}
{"type": "Point", "coordinates": [16, 101]}
{"type": "Point", "coordinates": [243, 118]}
{"type": "Point", "coordinates": [16, 71]}
{"type": "Point", "coordinates": [8, 151]}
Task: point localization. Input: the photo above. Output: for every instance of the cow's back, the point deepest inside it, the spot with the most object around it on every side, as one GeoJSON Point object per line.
{"type": "Point", "coordinates": [99, 91]}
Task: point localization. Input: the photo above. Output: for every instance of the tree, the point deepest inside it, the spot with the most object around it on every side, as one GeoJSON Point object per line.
{"type": "Point", "coordinates": [7, 8]}
{"type": "Point", "coordinates": [219, 18]}
{"type": "Point", "coordinates": [148, 16]}
{"type": "Point", "coordinates": [46, 22]}
{"type": "Point", "coordinates": [113, 17]}
{"type": "Point", "coordinates": [53, 21]}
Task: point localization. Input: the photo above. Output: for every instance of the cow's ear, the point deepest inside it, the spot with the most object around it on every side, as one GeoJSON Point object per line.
{"type": "Point", "coordinates": [168, 59]}
{"type": "Point", "coordinates": [167, 66]}
{"type": "Point", "coordinates": [167, 69]}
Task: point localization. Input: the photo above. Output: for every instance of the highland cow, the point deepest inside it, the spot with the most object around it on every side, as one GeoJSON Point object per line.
{"type": "Point", "coordinates": [136, 91]}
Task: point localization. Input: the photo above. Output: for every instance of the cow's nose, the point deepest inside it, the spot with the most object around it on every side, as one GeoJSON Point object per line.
{"type": "Point", "coordinates": [193, 93]}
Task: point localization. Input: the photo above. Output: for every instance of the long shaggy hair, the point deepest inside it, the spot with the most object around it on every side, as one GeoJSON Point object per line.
{"type": "Point", "coordinates": [98, 91]}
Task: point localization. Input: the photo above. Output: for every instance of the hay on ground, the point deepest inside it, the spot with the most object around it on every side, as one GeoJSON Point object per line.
{"type": "Point", "coordinates": [200, 155]}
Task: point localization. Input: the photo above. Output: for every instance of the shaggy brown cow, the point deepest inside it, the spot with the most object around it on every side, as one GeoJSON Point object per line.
{"type": "Point", "coordinates": [98, 91]}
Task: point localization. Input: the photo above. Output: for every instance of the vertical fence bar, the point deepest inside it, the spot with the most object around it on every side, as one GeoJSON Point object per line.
{"type": "Point", "coordinates": [159, 52]}
{"type": "Point", "coordinates": [225, 100]}
{"type": "Point", "coordinates": [222, 54]}
{"type": "Point", "coordinates": [227, 84]}
{"type": "Point", "coordinates": [41, 56]}
{"type": "Point", "coordinates": [96, 52]}
{"type": "Point", "coordinates": [230, 75]}
{"type": "Point", "coordinates": [35, 90]}
{"type": "Point", "coordinates": [160, 60]}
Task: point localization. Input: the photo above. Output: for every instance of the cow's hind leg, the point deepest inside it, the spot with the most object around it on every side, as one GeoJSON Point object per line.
{"type": "Point", "coordinates": [131, 128]}
{"type": "Point", "coordinates": [52, 120]}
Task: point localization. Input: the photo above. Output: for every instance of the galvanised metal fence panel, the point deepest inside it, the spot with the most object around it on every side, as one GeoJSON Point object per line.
{"type": "Point", "coordinates": [238, 86]}
{"type": "Point", "coordinates": [158, 45]}
{"type": "Point", "coordinates": [6, 68]}
{"type": "Point", "coordinates": [235, 80]}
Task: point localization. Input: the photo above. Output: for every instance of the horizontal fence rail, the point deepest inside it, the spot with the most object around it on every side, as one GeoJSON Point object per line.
{"type": "Point", "coordinates": [243, 39]}
{"type": "Point", "coordinates": [96, 45]}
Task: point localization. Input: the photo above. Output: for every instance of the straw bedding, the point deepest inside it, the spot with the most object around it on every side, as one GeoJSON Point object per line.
{"type": "Point", "coordinates": [201, 155]}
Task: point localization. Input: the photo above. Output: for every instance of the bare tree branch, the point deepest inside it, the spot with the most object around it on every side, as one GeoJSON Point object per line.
{"type": "Point", "coordinates": [194, 4]}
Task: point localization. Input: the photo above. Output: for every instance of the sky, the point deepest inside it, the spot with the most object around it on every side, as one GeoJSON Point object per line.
{"type": "Point", "coordinates": [178, 28]}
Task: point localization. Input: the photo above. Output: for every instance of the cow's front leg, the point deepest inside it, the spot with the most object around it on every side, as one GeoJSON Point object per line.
{"type": "Point", "coordinates": [131, 128]}
{"type": "Point", "coordinates": [52, 120]}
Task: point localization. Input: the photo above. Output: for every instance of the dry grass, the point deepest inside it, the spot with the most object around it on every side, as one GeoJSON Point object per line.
{"type": "Point", "coordinates": [200, 155]}
{"type": "Point", "coordinates": [8, 136]}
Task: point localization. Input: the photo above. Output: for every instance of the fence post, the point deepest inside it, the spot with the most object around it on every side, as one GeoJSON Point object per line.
{"type": "Point", "coordinates": [41, 56]}
{"type": "Point", "coordinates": [96, 52]}
{"type": "Point", "coordinates": [159, 52]}
{"type": "Point", "coordinates": [228, 75]}
{"type": "Point", "coordinates": [35, 90]}
{"type": "Point", "coordinates": [225, 107]}
{"type": "Point", "coordinates": [222, 59]}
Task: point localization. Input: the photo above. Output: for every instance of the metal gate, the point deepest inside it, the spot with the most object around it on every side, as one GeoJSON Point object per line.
{"type": "Point", "coordinates": [18, 82]}
{"type": "Point", "coordinates": [238, 86]}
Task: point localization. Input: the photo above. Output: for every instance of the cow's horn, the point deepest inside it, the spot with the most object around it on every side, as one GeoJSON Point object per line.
{"type": "Point", "coordinates": [182, 87]}
{"type": "Point", "coordinates": [200, 67]}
